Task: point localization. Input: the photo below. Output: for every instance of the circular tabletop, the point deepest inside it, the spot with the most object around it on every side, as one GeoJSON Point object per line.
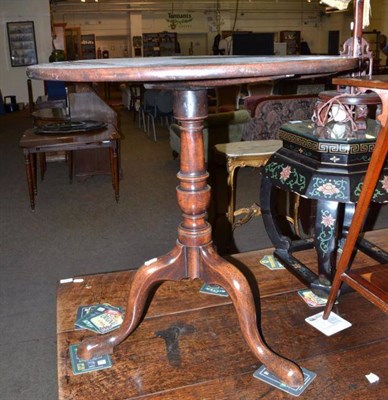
{"type": "Point", "coordinates": [194, 69]}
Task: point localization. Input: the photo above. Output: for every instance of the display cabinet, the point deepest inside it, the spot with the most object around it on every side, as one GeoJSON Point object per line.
{"type": "Point", "coordinates": [159, 44]}
{"type": "Point", "coordinates": [73, 44]}
{"type": "Point", "coordinates": [292, 38]}
{"type": "Point", "coordinates": [88, 47]}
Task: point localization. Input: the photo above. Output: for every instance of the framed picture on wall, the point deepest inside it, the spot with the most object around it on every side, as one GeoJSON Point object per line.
{"type": "Point", "coordinates": [22, 45]}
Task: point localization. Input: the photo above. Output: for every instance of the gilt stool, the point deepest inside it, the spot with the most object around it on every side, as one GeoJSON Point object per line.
{"type": "Point", "coordinates": [244, 154]}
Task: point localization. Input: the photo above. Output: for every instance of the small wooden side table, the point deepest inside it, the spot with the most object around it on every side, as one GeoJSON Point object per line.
{"type": "Point", "coordinates": [371, 283]}
{"type": "Point", "coordinates": [33, 143]}
{"type": "Point", "coordinates": [45, 116]}
{"type": "Point", "coordinates": [253, 154]}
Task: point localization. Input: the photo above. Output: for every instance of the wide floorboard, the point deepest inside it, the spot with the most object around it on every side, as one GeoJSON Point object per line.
{"type": "Point", "coordinates": [209, 358]}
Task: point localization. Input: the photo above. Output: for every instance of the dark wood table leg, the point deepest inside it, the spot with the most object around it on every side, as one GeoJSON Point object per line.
{"type": "Point", "coordinates": [151, 273]}
{"type": "Point", "coordinates": [70, 165]}
{"type": "Point", "coordinates": [220, 272]}
{"type": "Point", "coordinates": [114, 167]}
{"type": "Point", "coordinates": [194, 255]}
{"type": "Point", "coordinates": [28, 160]}
{"type": "Point", "coordinates": [43, 165]}
{"type": "Point", "coordinates": [33, 157]}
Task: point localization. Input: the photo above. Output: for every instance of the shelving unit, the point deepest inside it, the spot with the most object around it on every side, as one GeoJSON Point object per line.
{"type": "Point", "coordinates": [292, 38]}
{"type": "Point", "coordinates": [73, 44]}
{"type": "Point", "coordinates": [88, 46]}
{"type": "Point", "coordinates": [159, 44]}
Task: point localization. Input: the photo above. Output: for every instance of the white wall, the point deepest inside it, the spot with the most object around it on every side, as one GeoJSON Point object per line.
{"type": "Point", "coordinates": [111, 30]}
{"type": "Point", "coordinates": [13, 79]}
{"type": "Point", "coordinates": [270, 17]}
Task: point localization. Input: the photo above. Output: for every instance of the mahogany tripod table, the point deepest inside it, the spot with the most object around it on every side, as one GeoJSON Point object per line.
{"type": "Point", "coordinates": [33, 143]}
{"type": "Point", "coordinates": [194, 255]}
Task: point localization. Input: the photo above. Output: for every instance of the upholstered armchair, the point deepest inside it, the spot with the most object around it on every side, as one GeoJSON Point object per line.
{"type": "Point", "coordinates": [269, 113]}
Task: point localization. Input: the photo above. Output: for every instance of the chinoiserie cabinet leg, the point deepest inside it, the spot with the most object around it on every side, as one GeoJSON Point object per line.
{"type": "Point", "coordinates": [326, 227]}
{"type": "Point", "coordinates": [347, 220]}
{"type": "Point", "coordinates": [279, 241]}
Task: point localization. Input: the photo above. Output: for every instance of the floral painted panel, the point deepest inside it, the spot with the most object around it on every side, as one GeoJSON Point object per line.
{"type": "Point", "coordinates": [381, 192]}
{"type": "Point", "coordinates": [328, 225]}
{"type": "Point", "coordinates": [329, 189]}
{"type": "Point", "coordinates": [286, 175]}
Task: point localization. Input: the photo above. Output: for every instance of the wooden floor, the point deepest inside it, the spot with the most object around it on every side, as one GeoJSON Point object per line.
{"type": "Point", "coordinates": [210, 359]}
